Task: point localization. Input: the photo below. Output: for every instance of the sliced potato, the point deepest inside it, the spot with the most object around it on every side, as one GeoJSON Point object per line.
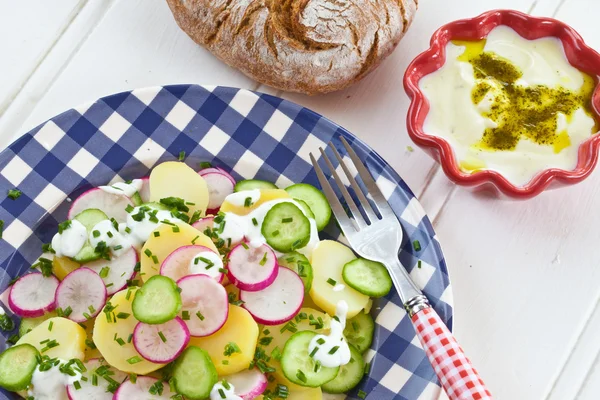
{"type": "Point", "coordinates": [305, 394]}
{"type": "Point", "coordinates": [265, 195]}
{"type": "Point", "coordinates": [279, 336]}
{"type": "Point", "coordinates": [91, 352]}
{"type": "Point", "coordinates": [125, 357]}
{"type": "Point", "coordinates": [240, 329]}
{"type": "Point", "coordinates": [163, 245]}
{"type": "Point", "coordinates": [62, 266]}
{"type": "Point", "coordinates": [175, 179]}
{"type": "Point", "coordinates": [68, 334]}
{"type": "Point", "coordinates": [328, 260]}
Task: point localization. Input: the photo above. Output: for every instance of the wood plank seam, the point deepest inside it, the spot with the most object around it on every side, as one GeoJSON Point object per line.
{"type": "Point", "coordinates": [72, 16]}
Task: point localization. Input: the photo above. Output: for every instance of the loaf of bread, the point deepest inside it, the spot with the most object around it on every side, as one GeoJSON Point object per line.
{"type": "Point", "coordinates": [307, 46]}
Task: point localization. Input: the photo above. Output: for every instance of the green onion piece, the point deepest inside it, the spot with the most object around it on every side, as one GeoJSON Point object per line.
{"type": "Point", "coordinates": [162, 337]}
{"type": "Point", "coordinates": [332, 282]}
{"type": "Point", "coordinates": [287, 220]}
{"type": "Point", "coordinates": [417, 245]}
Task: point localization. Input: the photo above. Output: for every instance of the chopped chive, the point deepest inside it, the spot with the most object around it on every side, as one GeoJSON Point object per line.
{"type": "Point", "coordinates": [154, 259]}
{"type": "Point", "coordinates": [96, 233]}
{"type": "Point", "coordinates": [334, 349]}
{"type": "Point", "coordinates": [205, 164]}
{"type": "Point", "coordinates": [185, 315]}
{"type": "Point", "coordinates": [104, 272]}
{"type": "Point", "coordinates": [109, 234]}
{"type": "Point", "coordinates": [134, 360]}
{"type": "Point", "coordinates": [120, 341]}
{"type": "Point", "coordinates": [301, 376]}
{"type": "Point", "coordinates": [129, 208]}
{"type": "Point", "coordinates": [200, 316]}
{"type": "Point", "coordinates": [77, 385]}
{"type": "Point", "coordinates": [320, 341]}
{"type": "Point", "coordinates": [287, 220]}
{"type": "Point", "coordinates": [123, 315]}
{"type": "Point", "coordinates": [128, 229]}
{"type": "Point", "coordinates": [129, 338]}
{"type": "Point", "coordinates": [225, 362]}
{"type": "Point", "coordinates": [162, 337]}
{"type": "Point", "coordinates": [355, 326]}
{"type": "Point", "coordinates": [175, 229]}
{"type": "Point", "coordinates": [194, 239]}
{"type": "Point", "coordinates": [317, 366]}
{"type": "Point", "coordinates": [245, 246]}
{"type": "Point", "coordinates": [50, 325]}
{"type": "Point", "coordinates": [331, 281]}
{"type": "Point", "coordinates": [133, 378]}
{"type": "Point", "coordinates": [417, 245]}
{"type": "Point", "coordinates": [223, 270]}
{"type": "Point", "coordinates": [248, 202]}
{"type": "Point", "coordinates": [312, 353]}
{"type": "Point", "coordinates": [181, 155]}
{"type": "Point", "coordinates": [362, 394]}
{"type": "Point", "coordinates": [254, 222]}
{"type": "Point", "coordinates": [148, 253]}
{"type": "Point", "coordinates": [264, 260]}
{"type": "Point", "coordinates": [94, 379]}
{"type": "Point", "coordinates": [156, 233]}
{"type": "Point", "coordinates": [14, 194]}
{"type": "Point", "coordinates": [275, 233]}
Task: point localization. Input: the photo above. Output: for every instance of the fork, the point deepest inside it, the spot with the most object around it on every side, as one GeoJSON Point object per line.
{"type": "Point", "coordinates": [379, 239]}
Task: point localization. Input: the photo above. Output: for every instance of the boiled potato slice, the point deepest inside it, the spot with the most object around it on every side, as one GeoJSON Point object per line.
{"type": "Point", "coordinates": [68, 334]}
{"type": "Point", "coordinates": [175, 179]}
{"type": "Point", "coordinates": [279, 339]}
{"type": "Point", "coordinates": [168, 241]}
{"type": "Point", "coordinates": [62, 266]}
{"type": "Point", "coordinates": [90, 352]}
{"type": "Point", "coordinates": [305, 394]}
{"type": "Point", "coordinates": [265, 195]}
{"type": "Point", "coordinates": [104, 337]}
{"type": "Point", "coordinates": [328, 260]}
{"type": "Point", "coordinates": [240, 329]}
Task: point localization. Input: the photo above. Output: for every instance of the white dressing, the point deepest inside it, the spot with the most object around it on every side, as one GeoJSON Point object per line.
{"type": "Point", "coordinates": [325, 344]}
{"type": "Point", "coordinates": [119, 241]}
{"type": "Point", "coordinates": [223, 391]}
{"type": "Point", "coordinates": [238, 227]}
{"type": "Point", "coordinates": [339, 287]}
{"type": "Point", "coordinates": [124, 189]}
{"type": "Point", "coordinates": [206, 263]}
{"type": "Point", "coordinates": [454, 117]}
{"type": "Point", "coordinates": [51, 384]}
{"type": "Point", "coordinates": [71, 240]}
{"type": "Point", "coordinates": [141, 230]}
{"type": "Point", "coordinates": [239, 199]}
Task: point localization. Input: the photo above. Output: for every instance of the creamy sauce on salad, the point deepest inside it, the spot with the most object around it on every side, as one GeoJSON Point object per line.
{"type": "Point", "coordinates": [510, 104]}
{"type": "Point", "coordinates": [123, 188]}
{"type": "Point", "coordinates": [223, 391]}
{"type": "Point", "coordinates": [238, 227]}
{"type": "Point", "coordinates": [71, 240]}
{"type": "Point", "coordinates": [206, 263]}
{"type": "Point", "coordinates": [325, 344]}
{"type": "Point", "coordinates": [51, 384]}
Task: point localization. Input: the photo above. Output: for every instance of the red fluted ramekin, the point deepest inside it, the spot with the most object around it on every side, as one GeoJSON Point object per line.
{"type": "Point", "coordinates": [579, 55]}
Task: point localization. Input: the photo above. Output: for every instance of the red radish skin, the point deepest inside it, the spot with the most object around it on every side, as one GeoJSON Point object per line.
{"type": "Point", "coordinates": [203, 223]}
{"type": "Point", "coordinates": [177, 264]}
{"type": "Point", "coordinates": [84, 291]}
{"type": "Point", "coordinates": [199, 293]}
{"type": "Point", "coordinates": [148, 342]}
{"type": "Point", "coordinates": [145, 191]}
{"type": "Point", "coordinates": [33, 295]}
{"type": "Point", "coordinates": [111, 204]}
{"type": "Point", "coordinates": [120, 270]}
{"type": "Point", "coordinates": [4, 299]}
{"type": "Point", "coordinates": [141, 390]}
{"type": "Point", "coordinates": [210, 170]}
{"type": "Point", "coordinates": [220, 185]}
{"type": "Point", "coordinates": [279, 302]}
{"type": "Point", "coordinates": [249, 383]}
{"type": "Point", "coordinates": [252, 269]}
{"type": "Point", "coordinates": [89, 391]}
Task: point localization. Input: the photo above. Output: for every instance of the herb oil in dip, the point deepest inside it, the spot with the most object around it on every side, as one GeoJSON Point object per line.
{"type": "Point", "coordinates": [510, 104]}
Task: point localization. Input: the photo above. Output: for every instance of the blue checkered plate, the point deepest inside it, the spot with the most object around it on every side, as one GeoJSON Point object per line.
{"type": "Point", "coordinates": [251, 135]}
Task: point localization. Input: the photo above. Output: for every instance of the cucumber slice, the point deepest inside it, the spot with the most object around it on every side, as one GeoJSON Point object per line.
{"type": "Point", "coordinates": [316, 201]}
{"type": "Point", "coordinates": [368, 277]}
{"type": "Point", "coordinates": [305, 208]}
{"type": "Point", "coordinates": [89, 218]}
{"type": "Point", "coordinates": [349, 375]}
{"type": "Point", "coordinates": [299, 367]}
{"type": "Point", "coordinates": [137, 199]}
{"type": "Point", "coordinates": [250, 184]}
{"type": "Point", "coordinates": [157, 301]}
{"type": "Point", "coordinates": [27, 324]}
{"type": "Point", "coordinates": [299, 264]}
{"type": "Point", "coordinates": [359, 331]}
{"type": "Point", "coordinates": [17, 365]}
{"type": "Point", "coordinates": [286, 228]}
{"type": "Point", "coordinates": [194, 374]}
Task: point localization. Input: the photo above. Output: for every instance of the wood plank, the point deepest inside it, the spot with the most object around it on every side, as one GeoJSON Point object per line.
{"type": "Point", "coordinates": [136, 44]}
{"type": "Point", "coordinates": [514, 265]}
{"type": "Point", "coordinates": [29, 29]}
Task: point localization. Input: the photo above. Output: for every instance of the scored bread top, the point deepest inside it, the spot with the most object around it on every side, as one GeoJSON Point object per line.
{"type": "Point", "coordinates": [307, 46]}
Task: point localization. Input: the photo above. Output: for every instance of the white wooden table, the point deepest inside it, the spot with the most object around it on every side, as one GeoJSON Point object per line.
{"type": "Point", "coordinates": [525, 274]}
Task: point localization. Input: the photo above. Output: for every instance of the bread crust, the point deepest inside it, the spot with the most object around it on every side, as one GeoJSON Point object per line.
{"type": "Point", "coordinates": [306, 46]}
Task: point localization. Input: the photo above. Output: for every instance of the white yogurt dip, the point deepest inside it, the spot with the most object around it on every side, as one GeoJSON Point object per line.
{"type": "Point", "coordinates": [332, 350]}
{"type": "Point", "coordinates": [455, 115]}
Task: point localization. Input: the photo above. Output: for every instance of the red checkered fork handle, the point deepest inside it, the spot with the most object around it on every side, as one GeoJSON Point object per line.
{"type": "Point", "coordinates": [452, 367]}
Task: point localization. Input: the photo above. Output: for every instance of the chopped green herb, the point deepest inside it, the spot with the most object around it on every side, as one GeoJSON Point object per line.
{"type": "Point", "coordinates": [104, 272]}
{"type": "Point", "coordinates": [362, 394]}
{"type": "Point", "coordinates": [175, 229]}
{"type": "Point", "coordinates": [287, 220]}
{"type": "Point", "coordinates": [301, 376]}
{"type": "Point", "coordinates": [200, 316]}
{"type": "Point", "coordinates": [331, 281]}
{"type": "Point", "coordinates": [264, 260]}
{"type": "Point", "coordinates": [134, 360]}
{"type": "Point", "coordinates": [417, 245]}
{"type": "Point", "coordinates": [333, 349]}
{"type": "Point", "coordinates": [248, 202]}
{"type": "Point", "coordinates": [320, 341]}
{"type": "Point", "coordinates": [194, 239]}
{"type": "Point", "coordinates": [123, 315]}
{"type": "Point", "coordinates": [265, 341]}
{"type": "Point", "coordinates": [14, 194]}
{"type": "Point", "coordinates": [185, 315]}
{"type": "Point", "coordinates": [162, 337]}
{"type": "Point", "coordinates": [176, 203]}
{"type": "Point", "coordinates": [254, 222]}
{"type": "Point", "coordinates": [231, 348]}
{"type": "Point", "coordinates": [313, 352]}
{"type": "Point", "coordinates": [181, 155]}
{"type": "Point", "coordinates": [205, 164]}
{"type": "Point", "coordinates": [275, 233]}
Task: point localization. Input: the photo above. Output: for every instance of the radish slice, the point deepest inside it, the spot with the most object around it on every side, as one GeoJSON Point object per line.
{"type": "Point", "coordinates": [116, 272]}
{"type": "Point", "coordinates": [161, 343]}
{"type": "Point", "coordinates": [4, 299]}
{"type": "Point", "coordinates": [145, 191]}
{"type": "Point", "coordinates": [141, 390]}
{"type": "Point", "coordinates": [220, 185]}
{"type": "Point", "coordinates": [84, 292]}
{"type": "Point", "coordinates": [252, 268]}
{"type": "Point", "coordinates": [87, 390]}
{"type": "Point", "coordinates": [248, 384]}
{"type": "Point", "coordinates": [205, 304]}
{"type": "Point", "coordinates": [278, 303]}
{"type": "Point", "coordinates": [203, 223]}
{"type": "Point", "coordinates": [33, 295]}
{"type": "Point", "coordinates": [210, 170]}
{"type": "Point", "coordinates": [111, 204]}
{"type": "Point", "coordinates": [187, 260]}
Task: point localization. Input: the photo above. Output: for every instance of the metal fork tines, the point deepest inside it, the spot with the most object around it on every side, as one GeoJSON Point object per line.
{"type": "Point", "coordinates": [375, 233]}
